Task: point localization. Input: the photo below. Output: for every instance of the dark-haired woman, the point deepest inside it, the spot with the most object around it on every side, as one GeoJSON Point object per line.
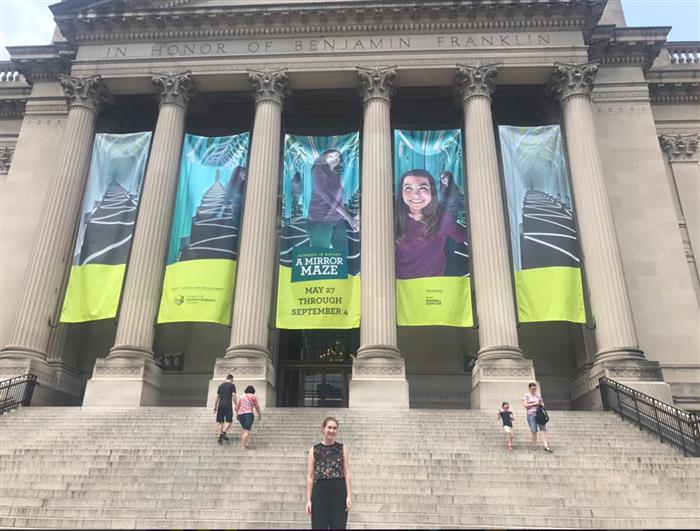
{"type": "Point", "coordinates": [328, 480]}
{"type": "Point", "coordinates": [328, 217]}
{"type": "Point", "coordinates": [246, 404]}
{"type": "Point", "coordinates": [422, 227]}
{"type": "Point", "coordinates": [450, 196]}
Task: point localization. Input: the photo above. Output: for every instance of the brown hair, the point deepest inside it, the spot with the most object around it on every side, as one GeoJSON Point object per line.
{"type": "Point", "coordinates": [432, 214]}
{"type": "Point", "coordinates": [330, 419]}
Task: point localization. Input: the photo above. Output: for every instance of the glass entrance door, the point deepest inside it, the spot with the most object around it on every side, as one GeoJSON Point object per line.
{"type": "Point", "coordinates": [315, 367]}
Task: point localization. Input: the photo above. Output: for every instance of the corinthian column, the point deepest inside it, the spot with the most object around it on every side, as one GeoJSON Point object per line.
{"type": "Point", "coordinates": [53, 248]}
{"type": "Point", "coordinates": [501, 372]}
{"type": "Point", "coordinates": [618, 355]}
{"type": "Point", "coordinates": [128, 376]}
{"type": "Point", "coordinates": [248, 356]}
{"type": "Point", "coordinates": [378, 372]}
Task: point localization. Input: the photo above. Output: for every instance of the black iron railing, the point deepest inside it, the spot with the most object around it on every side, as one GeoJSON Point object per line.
{"type": "Point", "coordinates": [16, 392]}
{"type": "Point", "coordinates": [671, 424]}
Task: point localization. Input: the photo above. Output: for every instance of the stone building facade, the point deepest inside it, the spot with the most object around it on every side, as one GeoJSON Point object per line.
{"type": "Point", "coordinates": [626, 98]}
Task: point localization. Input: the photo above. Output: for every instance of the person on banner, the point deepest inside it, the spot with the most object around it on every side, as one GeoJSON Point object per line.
{"type": "Point", "coordinates": [328, 480]}
{"type": "Point", "coordinates": [422, 226]}
{"type": "Point", "coordinates": [223, 407]}
{"type": "Point", "coordinates": [327, 218]}
{"type": "Point", "coordinates": [235, 191]}
{"type": "Point", "coordinates": [532, 401]}
{"type": "Point", "coordinates": [450, 196]}
{"type": "Point", "coordinates": [244, 412]}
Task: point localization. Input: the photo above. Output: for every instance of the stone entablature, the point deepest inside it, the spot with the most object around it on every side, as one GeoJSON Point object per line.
{"type": "Point", "coordinates": [111, 22]}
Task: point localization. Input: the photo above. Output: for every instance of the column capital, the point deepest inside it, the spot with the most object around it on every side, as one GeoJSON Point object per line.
{"type": "Point", "coordinates": [377, 82]}
{"type": "Point", "coordinates": [476, 80]}
{"type": "Point", "coordinates": [573, 79]}
{"type": "Point", "coordinates": [89, 92]}
{"type": "Point", "coordinates": [680, 148]}
{"type": "Point", "coordinates": [174, 88]}
{"type": "Point", "coordinates": [269, 85]}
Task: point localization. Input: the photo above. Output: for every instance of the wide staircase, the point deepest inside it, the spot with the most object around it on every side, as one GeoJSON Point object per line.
{"type": "Point", "coordinates": [162, 468]}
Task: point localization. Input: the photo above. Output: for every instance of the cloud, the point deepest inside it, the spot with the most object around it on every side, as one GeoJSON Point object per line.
{"type": "Point", "coordinates": [25, 22]}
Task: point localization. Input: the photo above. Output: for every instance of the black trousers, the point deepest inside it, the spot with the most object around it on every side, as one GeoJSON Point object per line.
{"type": "Point", "coordinates": [328, 504]}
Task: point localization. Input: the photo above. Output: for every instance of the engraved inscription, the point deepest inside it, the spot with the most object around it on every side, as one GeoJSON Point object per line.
{"type": "Point", "coordinates": [323, 45]}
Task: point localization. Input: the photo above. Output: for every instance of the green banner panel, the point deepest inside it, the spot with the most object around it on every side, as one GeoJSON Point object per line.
{"type": "Point", "coordinates": [319, 261]}
{"type": "Point", "coordinates": [203, 252]}
{"type": "Point", "coordinates": [106, 227]}
{"type": "Point", "coordinates": [543, 234]}
{"type": "Point", "coordinates": [433, 284]}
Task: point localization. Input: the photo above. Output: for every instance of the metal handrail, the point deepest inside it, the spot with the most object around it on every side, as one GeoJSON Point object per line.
{"type": "Point", "coordinates": [16, 392]}
{"type": "Point", "coordinates": [671, 424]}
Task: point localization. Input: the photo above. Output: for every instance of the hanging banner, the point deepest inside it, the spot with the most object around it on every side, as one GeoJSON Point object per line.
{"type": "Point", "coordinates": [106, 226]}
{"type": "Point", "coordinates": [201, 267]}
{"type": "Point", "coordinates": [319, 263]}
{"type": "Point", "coordinates": [433, 285]}
{"type": "Point", "coordinates": [542, 228]}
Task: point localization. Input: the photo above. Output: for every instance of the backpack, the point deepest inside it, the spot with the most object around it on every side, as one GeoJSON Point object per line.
{"type": "Point", "coordinates": [542, 417]}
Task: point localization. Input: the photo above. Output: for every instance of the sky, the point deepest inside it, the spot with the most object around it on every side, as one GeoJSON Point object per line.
{"type": "Point", "coordinates": [25, 22]}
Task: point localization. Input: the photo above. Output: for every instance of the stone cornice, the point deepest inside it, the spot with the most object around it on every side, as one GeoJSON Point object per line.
{"type": "Point", "coordinates": [42, 62]}
{"type": "Point", "coordinates": [675, 91]}
{"type": "Point", "coordinates": [193, 22]}
{"type": "Point", "coordinates": [12, 108]}
{"type": "Point", "coordinates": [627, 46]}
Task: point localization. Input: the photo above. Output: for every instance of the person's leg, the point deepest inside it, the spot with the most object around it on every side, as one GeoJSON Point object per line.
{"type": "Point", "coordinates": [320, 516]}
{"type": "Point", "coordinates": [533, 431]}
{"type": "Point", "coordinates": [543, 432]}
{"type": "Point", "coordinates": [339, 237]}
{"type": "Point", "coordinates": [244, 439]}
{"type": "Point", "coordinates": [338, 514]}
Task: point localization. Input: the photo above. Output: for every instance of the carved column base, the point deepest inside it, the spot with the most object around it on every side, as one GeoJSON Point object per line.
{"type": "Point", "coordinates": [640, 374]}
{"type": "Point", "coordinates": [495, 381]}
{"type": "Point", "coordinates": [53, 387]}
{"type": "Point", "coordinates": [121, 382]}
{"type": "Point", "coordinates": [252, 370]}
{"type": "Point", "coordinates": [379, 382]}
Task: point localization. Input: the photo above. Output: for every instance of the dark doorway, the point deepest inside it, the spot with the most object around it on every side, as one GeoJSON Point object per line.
{"type": "Point", "coordinates": [315, 367]}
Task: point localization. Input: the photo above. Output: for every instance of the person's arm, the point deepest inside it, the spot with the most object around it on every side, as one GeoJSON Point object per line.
{"type": "Point", "coordinates": [526, 404]}
{"type": "Point", "coordinates": [353, 222]}
{"type": "Point", "coordinates": [453, 229]}
{"type": "Point", "coordinates": [257, 408]}
{"type": "Point", "coordinates": [309, 479]}
{"type": "Point", "coordinates": [348, 478]}
{"type": "Point", "coordinates": [234, 398]}
{"type": "Point", "coordinates": [216, 402]}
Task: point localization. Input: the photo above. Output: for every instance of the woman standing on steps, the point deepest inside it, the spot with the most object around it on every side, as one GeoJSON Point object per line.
{"type": "Point", "coordinates": [328, 480]}
{"type": "Point", "coordinates": [531, 401]}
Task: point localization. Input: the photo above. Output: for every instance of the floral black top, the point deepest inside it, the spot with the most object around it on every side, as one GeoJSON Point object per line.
{"type": "Point", "coordinates": [328, 461]}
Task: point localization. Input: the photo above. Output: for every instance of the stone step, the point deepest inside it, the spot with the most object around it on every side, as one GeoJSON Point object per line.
{"type": "Point", "coordinates": [363, 521]}
{"type": "Point", "coordinates": [363, 511]}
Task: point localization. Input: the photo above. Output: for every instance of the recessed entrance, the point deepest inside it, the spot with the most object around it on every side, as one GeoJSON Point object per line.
{"type": "Point", "coordinates": [315, 367]}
